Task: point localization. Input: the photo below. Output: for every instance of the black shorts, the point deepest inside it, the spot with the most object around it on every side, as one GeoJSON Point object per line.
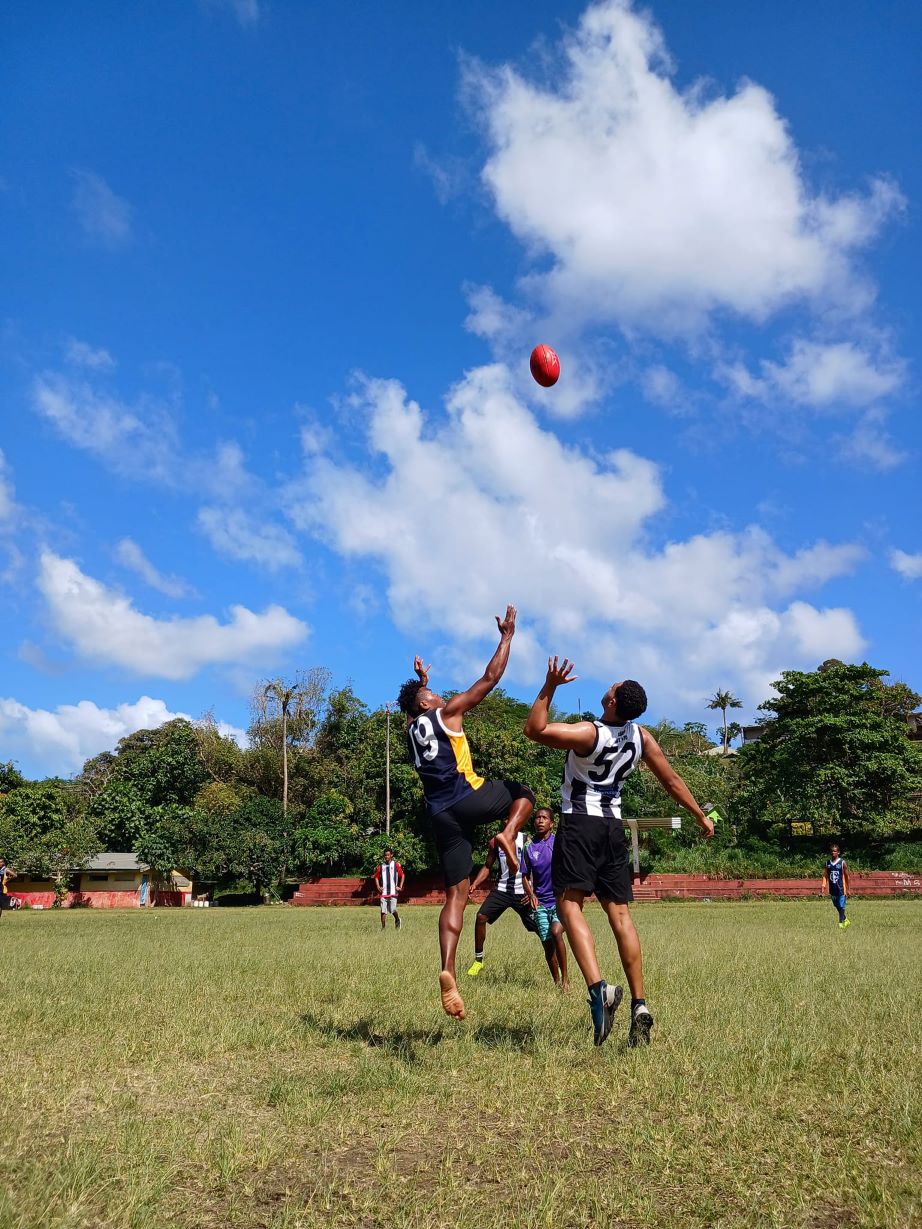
{"type": "Point", "coordinates": [591, 854]}
{"type": "Point", "coordinates": [455, 829]}
{"type": "Point", "coordinates": [497, 903]}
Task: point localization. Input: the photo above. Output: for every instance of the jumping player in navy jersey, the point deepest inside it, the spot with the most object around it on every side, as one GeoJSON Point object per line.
{"type": "Point", "coordinates": [591, 851]}
{"type": "Point", "coordinates": [457, 799]}
{"type": "Point", "coordinates": [835, 882]}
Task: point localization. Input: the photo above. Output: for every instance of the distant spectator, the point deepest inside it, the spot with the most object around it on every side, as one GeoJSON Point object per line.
{"type": "Point", "coordinates": [389, 879]}
{"type": "Point", "coordinates": [835, 882]}
{"type": "Point", "coordinates": [6, 901]}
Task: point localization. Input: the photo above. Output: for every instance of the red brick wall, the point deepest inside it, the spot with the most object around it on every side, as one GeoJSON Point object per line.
{"type": "Point", "coordinates": [92, 900]}
{"type": "Point", "coordinates": [427, 889]}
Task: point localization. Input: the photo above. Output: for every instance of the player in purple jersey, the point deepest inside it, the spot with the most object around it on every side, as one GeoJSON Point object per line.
{"type": "Point", "coordinates": [536, 863]}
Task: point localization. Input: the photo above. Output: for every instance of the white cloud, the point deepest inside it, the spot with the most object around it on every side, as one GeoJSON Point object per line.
{"type": "Point", "coordinates": [821, 375]}
{"type": "Point", "coordinates": [133, 439]}
{"type": "Point", "coordinates": [449, 176]}
{"type": "Point", "coordinates": [104, 216]}
{"type": "Point", "coordinates": [130, 556]}
{"type": "Point", "coordinates": [81, 354]}
{"type": "Point", "coordinates": [247, 12]}
{"type": "Point", "coordinates": [661, 386]}
{"type": "Point", "coordinates": [657, 206]}
{"type": "Point", "coordinates": [61, 740]}
{"type": "Point", "coordinates": [870, 446]}
{"type": "Point", "coordinates": [908, 566]}
{"type": "Point", "coordinates": [9, 509]}
{"type": "Point", "coordinates": [490, 508]}
{"type": "Point", "coordinates": [103, 625]}
{"type": "Point", "coordinates": [138, 440]}
{"type": "Point", "coordinates": [236, 534]}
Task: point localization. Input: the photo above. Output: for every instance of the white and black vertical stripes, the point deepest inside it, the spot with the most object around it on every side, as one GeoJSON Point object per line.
{"type": "Point", "coordinates": [592, 783]}
{"type": "Point", "coordinates": [388, 875]}
{"type": "Point", "coordinates": [504, 881]}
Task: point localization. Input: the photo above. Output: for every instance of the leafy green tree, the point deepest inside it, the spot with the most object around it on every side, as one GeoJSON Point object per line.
{"type": "Point", "coordinates": [10, 777]}
{"type": "Point", "coordinates": [151, 769]}
{"type": "Point", "coordinates": [836, 753]}
{"type": "Point", "coordinates": [45, 831]}
{"type": "Point", "coordinates": [722, 700]}
{"type": "Point", "coordinates": [328, 839]}
{"type": "Point", "coordinates": [734, 730]}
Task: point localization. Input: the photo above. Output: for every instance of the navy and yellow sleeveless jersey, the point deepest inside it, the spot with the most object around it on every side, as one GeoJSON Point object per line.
{"type": "Point", "coordinates": [443, 761]}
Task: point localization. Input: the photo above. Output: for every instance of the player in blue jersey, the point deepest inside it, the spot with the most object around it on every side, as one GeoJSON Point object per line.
{"type": "Point", "coordinates": [835, 882]}
{"type": "Point", "coordinates": [591, 851]}
{"type": "Point", "coordinates": [458, 801]}
{"type": "Point", "coordinates": [536, 863]}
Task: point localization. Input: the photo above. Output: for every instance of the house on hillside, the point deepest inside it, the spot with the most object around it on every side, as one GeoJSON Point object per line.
{"type": "Point", "coordinates": [108, 881]}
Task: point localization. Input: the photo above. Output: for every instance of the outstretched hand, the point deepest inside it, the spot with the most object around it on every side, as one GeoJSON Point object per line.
{"type": "Point", "coordinates": [507, 626]}
{"type": "Point", "coordinates": [557, 675]}
{"type": "Point", "coordinates": [422, 672]}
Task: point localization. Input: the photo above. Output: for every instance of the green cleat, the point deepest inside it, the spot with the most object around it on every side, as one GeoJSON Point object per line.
{"type": "Point", "coordinates": [475, 968]}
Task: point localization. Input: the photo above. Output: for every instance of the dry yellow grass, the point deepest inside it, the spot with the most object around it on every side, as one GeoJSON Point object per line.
{"type": "Point", "coordinates": [285, 1067]}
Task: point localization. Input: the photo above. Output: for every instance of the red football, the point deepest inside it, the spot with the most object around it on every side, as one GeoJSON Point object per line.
{"type": "Point", "coordinates": [545, 365]}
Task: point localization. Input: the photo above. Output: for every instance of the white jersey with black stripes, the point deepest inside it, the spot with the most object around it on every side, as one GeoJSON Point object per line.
{"type": "Point", "coordinates": [592, 782]}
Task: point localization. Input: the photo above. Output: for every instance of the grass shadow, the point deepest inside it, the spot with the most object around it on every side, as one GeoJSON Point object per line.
{"type": "Point", "coordinates": [504, 1036]}
{"type": "Point", "coordinates": [403, 1043]}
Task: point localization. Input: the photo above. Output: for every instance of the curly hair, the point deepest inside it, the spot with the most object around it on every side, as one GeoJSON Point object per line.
{"type": "Point", "coordinates": [408, 697]}
{"type": "Point", "coordinates": [630, 700]}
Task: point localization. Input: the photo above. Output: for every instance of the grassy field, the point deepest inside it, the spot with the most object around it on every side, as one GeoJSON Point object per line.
{"type": "Point", "coordinates": [291, 1067]}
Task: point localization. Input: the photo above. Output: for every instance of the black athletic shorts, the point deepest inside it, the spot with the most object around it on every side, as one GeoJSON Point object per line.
{"type": "Point", "coordinates": [498, 902]}
{"type": "Point", "coordinates": [455, 829]}
{"type": "Point", "coordinates": [591, 854]}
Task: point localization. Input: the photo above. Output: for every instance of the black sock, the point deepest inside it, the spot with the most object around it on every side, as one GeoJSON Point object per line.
{"type": "Point", "coordinates": [638, 1003]}
{"type": "Point", "coordinates": [478, 956]}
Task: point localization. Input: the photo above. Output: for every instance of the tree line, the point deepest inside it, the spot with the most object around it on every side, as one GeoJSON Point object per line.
{"type": "Point", "coordinates": [308, 794]}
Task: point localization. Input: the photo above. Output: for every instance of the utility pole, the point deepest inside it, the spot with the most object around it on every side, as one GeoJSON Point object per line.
{"type": "Point", "coordinates": [387, 787]}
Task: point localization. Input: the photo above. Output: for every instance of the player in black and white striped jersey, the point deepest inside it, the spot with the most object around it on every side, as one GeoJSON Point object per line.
{"type": "Point", "coordinates": [511, 892]}
{"type": "Point", "coordinates": [591, 851]}
{"type": "Point", "coordinates": [389, 880]}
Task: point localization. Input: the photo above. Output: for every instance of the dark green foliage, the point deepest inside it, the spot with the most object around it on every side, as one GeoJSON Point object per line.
{"type": "Point", "coordinates": [328, 837]}
{"type": "Point", "coordinates": [10, 777]}
{"type": "Point", "coordinates": [151, 769]}
{"type": "Point", "coordinates": [835, 753]}
{"type": "Point", "coordinates": [45, 831]}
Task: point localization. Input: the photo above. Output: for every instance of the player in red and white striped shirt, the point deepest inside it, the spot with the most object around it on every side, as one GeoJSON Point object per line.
{"type": "Point", "coordinates": [389, 879]}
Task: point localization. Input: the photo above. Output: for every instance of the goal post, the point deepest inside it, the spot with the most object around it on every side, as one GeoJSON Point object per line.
{"type": "Point", "coordinates": [647, 824]}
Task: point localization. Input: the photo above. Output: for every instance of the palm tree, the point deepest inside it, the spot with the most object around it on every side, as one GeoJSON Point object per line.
{"type": "Point", "coordinates": [284, 696]}
{"type": "Point", "coordinates": [723, 700]}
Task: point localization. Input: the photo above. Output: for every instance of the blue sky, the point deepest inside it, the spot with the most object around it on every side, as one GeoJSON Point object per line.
{"type": "Point", "coordinates": [271, 275]}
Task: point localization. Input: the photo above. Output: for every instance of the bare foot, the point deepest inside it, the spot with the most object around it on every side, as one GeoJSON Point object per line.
{"type": "Point", "coordinates": [565, 988]}
{"type": "Point", "coordinates": [452, 1002]}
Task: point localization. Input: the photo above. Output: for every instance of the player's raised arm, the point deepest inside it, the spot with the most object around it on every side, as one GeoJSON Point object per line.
{"type": "Point", "coordinates": [458, 705]}
{"type": "Point", "coordinates": [579, 736]}
{"type": "Point", "coordinates": [672, 783]}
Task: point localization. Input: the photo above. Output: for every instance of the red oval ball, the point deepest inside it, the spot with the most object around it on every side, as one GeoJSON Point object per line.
{"type": "Point", "coordinates": [545, 365]}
